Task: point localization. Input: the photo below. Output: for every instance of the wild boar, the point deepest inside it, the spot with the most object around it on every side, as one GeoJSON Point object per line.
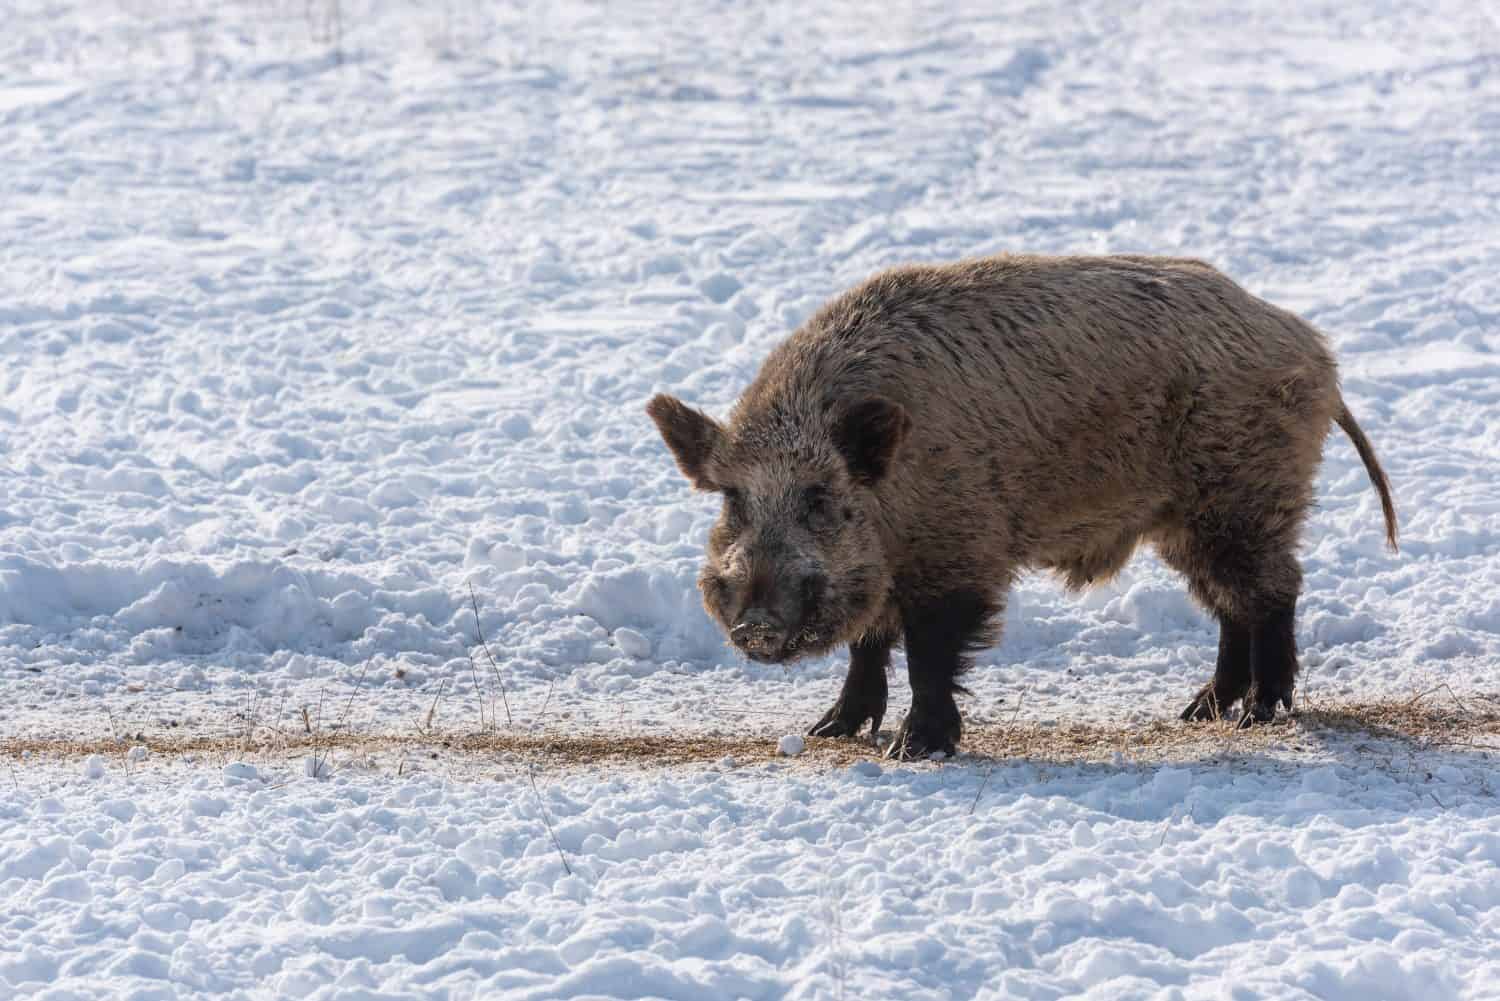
{"type": "Point", "coordinates": [933, 432]}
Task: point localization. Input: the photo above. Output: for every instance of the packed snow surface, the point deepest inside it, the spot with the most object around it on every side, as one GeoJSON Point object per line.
{"type": "Point", "coordinates": [325, 325]}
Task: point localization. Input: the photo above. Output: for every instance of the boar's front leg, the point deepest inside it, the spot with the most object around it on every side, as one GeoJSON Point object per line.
{"type": "Point", "coordinates": [864, 694]}
{"type": "Point", "coordinates": [940, 633]}
{"type": "Point", "coordinates": [1231, 674]}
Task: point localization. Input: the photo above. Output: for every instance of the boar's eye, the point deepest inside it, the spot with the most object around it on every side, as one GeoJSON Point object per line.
{"type": "Point", "coordinates": [817, 505]}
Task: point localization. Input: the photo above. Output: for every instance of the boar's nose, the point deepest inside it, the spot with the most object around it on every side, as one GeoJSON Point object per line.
{"type": "Point", "coordinates": [758, 633]}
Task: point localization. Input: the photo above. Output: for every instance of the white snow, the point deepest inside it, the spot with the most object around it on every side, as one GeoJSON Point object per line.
{"type": "Point", "coordinates": [791, 745]}
{"type": "Point", "coordinates": [309, 324]}
{"type": "Point", "coordinates": [1346, 881]}
{"type": "Point", "coordinates": [240, 773]}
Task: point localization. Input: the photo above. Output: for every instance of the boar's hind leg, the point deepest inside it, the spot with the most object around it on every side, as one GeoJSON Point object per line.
{"type": "Point", "coordinates": [939, 636]}
{"type": "Point", "coordinates": [1268, 602]}
{"type": "Point", "coordinates": [864, 694]}
{"type": "Point", "coordinates": [1250, 579]}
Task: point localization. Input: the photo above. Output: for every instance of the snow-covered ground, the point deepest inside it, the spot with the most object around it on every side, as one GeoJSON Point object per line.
{"type": "Point", "coordinates": [315, 315]}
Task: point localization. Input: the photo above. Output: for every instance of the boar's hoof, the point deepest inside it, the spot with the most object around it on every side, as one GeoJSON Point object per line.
{"type": "Point", "coordinates": [922, 735]}
{"type": "Point", "coordinates": [1256, 712]}
{"type": "Point", "coordinates": [1205, 707]}
{"type": "Point", "coordinates": [846, 719]}
{"type": "Point", "coordinates": [1262, 708]}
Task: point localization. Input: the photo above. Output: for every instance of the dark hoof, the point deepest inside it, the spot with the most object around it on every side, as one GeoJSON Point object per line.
{"type": "Point", "coordinates": [1211, 704]}
{"type": "Point", "coordinates": [1257, 712]}
{"type": "Point", "coordinates": [841, 721]}
{"type": "Point", "coordinates": [921, 736]}
{"type": "Point", "coordinates": [1204, 708]}
{"type": "Point", "coordinates": [1260, 707]}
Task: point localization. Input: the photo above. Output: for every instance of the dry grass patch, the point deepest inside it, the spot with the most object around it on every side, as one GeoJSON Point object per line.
{"type": "Point", "coordinates": [1448, 721]}
{"type": "Point", "coordinates": [1424, 720]}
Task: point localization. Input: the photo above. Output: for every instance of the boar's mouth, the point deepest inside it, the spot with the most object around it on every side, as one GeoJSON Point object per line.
{"type": "Point", "coordinates": [811, 637]}
{"type": "Point", "coordinates": [803, 643]}
{"type": "Point", "coordinates": [760, 636]}
{"type": "Point", "coordinates": [824, 618]}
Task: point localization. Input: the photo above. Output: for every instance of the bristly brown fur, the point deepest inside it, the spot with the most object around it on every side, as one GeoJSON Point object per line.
{"type": "Point", "coordinates": [1049, 412]}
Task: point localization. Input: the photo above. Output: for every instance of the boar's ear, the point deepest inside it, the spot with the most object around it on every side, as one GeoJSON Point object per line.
{"type": "Point", "coordinates": [868, 435]}
{"type": "Point", "coordinates": [690, 434]}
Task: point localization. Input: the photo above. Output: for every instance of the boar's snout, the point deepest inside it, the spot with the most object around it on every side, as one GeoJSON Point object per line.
{"type": "Point", "coordinates": [783, 625]}
{"type": "Point", "coordinates": [760, 634]}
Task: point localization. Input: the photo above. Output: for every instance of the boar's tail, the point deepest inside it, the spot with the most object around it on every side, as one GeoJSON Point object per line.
{"type": "Point", "coordinates": [1372, 466]}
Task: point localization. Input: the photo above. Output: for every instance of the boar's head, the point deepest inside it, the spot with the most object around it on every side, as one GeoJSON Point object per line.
{"type": "Point", "coordinates": [795, 563]}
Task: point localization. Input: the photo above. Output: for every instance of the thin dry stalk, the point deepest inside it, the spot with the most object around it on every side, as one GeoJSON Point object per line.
{"type": "Point", "coordinates": [1421, 695]}
{"type": "Point", "coordinates": [1020, 699]}
{"type": "Point", "coordinates": [320, 741]}
{"type": "Point", "coordinates": [541, 717]}
{"type": "Point", "coordinates": [531, 774]}
{"type": "Point", "coordinates": [989, 769]}
{"type": "Point", "coordinates": [1441, 686]}
{"type": "Point", "coordinates": [323, 740]}
{"type": "Point", "coordinates": [248, 720]}
{"type": "Point", "coordinates": [474, 602]}
{"type": "Point", "coordinates": [426, 727]}
{"type": "Point", "coordinates": [350, 704]}
{"type": "Point", "coordinates": [478, 691]}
